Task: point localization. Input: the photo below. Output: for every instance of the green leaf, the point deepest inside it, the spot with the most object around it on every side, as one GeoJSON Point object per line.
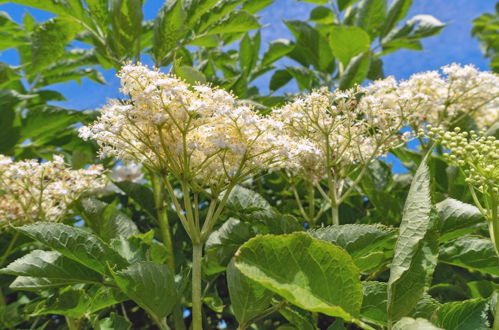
{"type": "Point", "coordinates": [457, 219]}
{"type": "Point", "coordinates": [254, 6]}
{"type": "Point", "coordinates": [375, 69]}
{"type": "Point", "coordinates": [238, 21]}
{"type": "Point", "coordinates": [303, 76]}
{"type": "Point", "coordinates": [375, 302]}
{"type": "Point", "coordinates": [224, 242]}
{"type": "Point", "coordinates": [140, 194]}
{"type": "Point", "coordinates": [113, 322]}
{"type": "Point", "coordinates": [140, 247]}
{"type": "Point", "coordinates": [301, 319]}
{"type": "Point", "coordinates": [247, 297]}
{"type": "Point", "coordinates": [356, 71]}
{"type": "Point", "coordinates": [126, 27]}
{"type": "Point", "coordinates": [371, 15]}
{"type": "Point", "coordinates": [192, 75]}
{"type": "Point", "coordinates": [310, 273]}
{"type": "Point", "coordinates": [9, 132]}
{"type": "Point", "coordinates": [150, 285]}
{"type": "Point", "coordinates": [11, 34]}
{"type": "Point", "coordinates": [321, 15]}
{"type": "Point", "coordinates": [463, 315]}
{"type": "Point", "coordinates": [47, 121]}
{"type": "Point", "coordinates": [52, 266]}
{"type": "Point", "coordinates": [408, 323]}
{"type": "Point", "coordinates": [416, 249]}
{"type": "Point", "coordinates": [343, 4]}
{"type": "Point", "coordinates": [76, 244]}
{"type": "Point", "coordinates": [279, 79]}
{"type": "Point", "coordinates": [277, 49]}
{"type": "Point", "coordinates": [106, 220]}
{"type": "Point", "coordinates": [49, 40]}
{"type": "Point", "coordinates": [362, 242]}
{"type": "Point", "coordinates": [79, 302]}
{"type": "Point", "coordinates": [348, 41]}
{"type": "Point", "coordinates": [248, 204]}
{"type": "Point", "coordinates": [398, 10]}
{"type": "Point", "coordinates": [169, 29]}
{"type": "Point", "coordinates": [425, 26]}
{"type": "Point", "coordinates": [473, 253]}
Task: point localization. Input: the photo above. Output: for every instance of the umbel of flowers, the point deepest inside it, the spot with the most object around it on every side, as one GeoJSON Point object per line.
{"type": "Point", "coordinates": [198, 135]}
{"type": "Point", "coordinates": [347, 132]}
{"type": "Point", "coordinates": [33, 191]}
{"type": "Point", "coordinates": [441, 100]}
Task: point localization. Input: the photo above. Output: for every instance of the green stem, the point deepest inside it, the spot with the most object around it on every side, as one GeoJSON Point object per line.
{"type": "Point", "coordinates": [311, 201]}
{"type": "Point", "coordinates": [9, 248]}
{"type": "Point", "coordinates": [197, 256]}
{"type": "Point", "coordinates": [164, 227]}
{"type": "Point", "coordinates": [496, 317]}
{"type": "Point", "coordinates": [335, 214]}
{"type": "Point", "coordinates": [161, 323]}
{"type": "Point", "coordinates": [72, 324]}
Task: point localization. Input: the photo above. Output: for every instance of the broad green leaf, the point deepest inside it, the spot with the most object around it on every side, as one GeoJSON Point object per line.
{"type": "Point", "coordinates": [356, 71]}
{"type": "Point", "coordinates": [106, 220]}
{"type": "Point", "coordinates": [371, 15]}
{"type": "Point", "coordinates": [375, 302]}
{"type": "Point", "coordinates": [76, 244]}
{"type": "Point", "coordinates": [312, 47]}
{"type": "Point", "coordinates": [53, 266]}
{"type": "Point", "coordinates": [248, 298]}
{"type": "Point", "coordinates": [277, 49]}
{"type": "Point", "coordinates": [126, 27]}
{"type": "Point", "coordinates": [191, 75]}
{"type": "Point", "coordinates": [415, 250]}
{"type": "Point", "coordinates": [49, 40]}
{"type": "Point", "coordinates": [47, 120]}
{"type": "Point", "coordinates": [425, 26]}
{"type": "Point", "coordinates": [73, 74]}
{"type": "Point", "coordinates": [169, 28]}
{"type": "Point", "coordinates": [140, 247]}
{"type": "Point", "coordinates": [78, 302]}
{"type": "Point", "coordinates": [8, 74]}
{"type": "Point", "coordinates": [375, 69]}
{"type": "Point", "coordinates": [140, 194]}
{"type": "Point", "coordinates": [248, 204]}
{"type": "Point", "coordinates": [457, 219]}
{"type": "Point", "coordinates": [347, 42]}
{"type": "Point", "coordinates": [238, 21]}
{"type": "Point", "coordinates": [398, 10]}
{"type": "Point", "coordinates": [72, 8]}
{"type": "Point", "coordinates": [29, 283]}
{"type": "Point", "coordinates": [303, 76]}
{"type": "Point", "coordinates": [220, 12]}
{"type": "Point", "coordinates": [321, 15]}
{"type": "Point", "coordinates": [254, 6]}
{"type": "Point", "coordinates": [301, 319]}
{"type": "Point", "coordinates": [279, 79]}
{"type": "Point", "coordinates": [310, 273]}
{"type": "Point", "coordinates": [343, 4]}
{"type": "Point", "coordinates": [473, 253]}
{"type": "Point", "coordinates": [11, 34]}
{"type": "Point", "coordinates": [408, 323]}
{"type": "Point", "coordinates": [9, 131]}
{"type": "Point", "coordinates": [362, 242]}
{"type": "Point", "coordinates": [113, 322]}
{"type": "Point", "coordinates": [150, 285]}
{"type": "Point", "coordinates": [463, 315]}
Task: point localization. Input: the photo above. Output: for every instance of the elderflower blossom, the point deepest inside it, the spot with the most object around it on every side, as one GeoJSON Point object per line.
{"type": "Point", "coordinates": [340, 131]}
{"type": "Point", "coordinates": [442, 100]}
{"type": "Point", "coordinates": [32, 191]}
{"type": "Point", "coordinates": [197, 133]}
{"type": "Point", "coordinates": [476, 154]}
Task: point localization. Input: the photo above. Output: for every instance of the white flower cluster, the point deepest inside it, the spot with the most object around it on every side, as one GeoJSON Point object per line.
{"type": "Point", "coordinates": [32, 191]}
{"type": "Point", "coordinates": [197, 133]}
{"type": "Point", "coordinates": [441, 100]}
{"type": "Point", "coordinates": [341, 131]}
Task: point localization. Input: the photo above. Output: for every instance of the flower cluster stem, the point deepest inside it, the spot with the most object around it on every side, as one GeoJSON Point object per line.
{"type": "Point", "coordinates": [197, 258]}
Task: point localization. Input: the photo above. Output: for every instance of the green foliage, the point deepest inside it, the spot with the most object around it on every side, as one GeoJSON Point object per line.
{"type": "Point", "coordinates": [485, 28]}
{"type": "Point", "coordinates": [468, 314]}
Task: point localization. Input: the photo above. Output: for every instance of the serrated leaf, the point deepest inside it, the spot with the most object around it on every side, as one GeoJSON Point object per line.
{"type": "Point", "coordinates": [169, 28]}
{"type": "Point", "coordinates": [191, 75]}
{"type": "Point", "coordinates": [463, 315]}
{"type": "Point", "coordinates": [49, 40]}
{"type": "Point", "coordinates": [150, 285]}
{"type": "Point", "coordinates": [360, 241]}
{"type": "Point", "coordinates": [53, 266]}
{"type": "Point", "coordinates": [76, 244]}
{"type": "Point", "coordinates": [457, 219]}
{"type": "Point", "coordinates": [371, 15]}
{"type": "Point", "coordinates": [375, 302]}
{"type": "Point", "coordinates": [356, 71]}
{"type": "Point", "coordinates": [310, 273]}
{"type": "Point", "coordinates": [277, 49]}
{"type": "Point", "coordinates": [408, 323]}
{"type": "Point", "coordinates": [348, 41]}
{"type": "Point", "coordinates": [238, 21]}
{"type": "Point", "coordinates": [473, 253]}
{"type": "Point", "coordinates": [416, 249]}
{"type": "Point", "coordinates": [248, 204]}
{"type": "Point", "coordinates": [301, 319]}
{"type": "Point", "coordinates": [106, 220]}
{"type": "Point", "coordinates": [247, 297]}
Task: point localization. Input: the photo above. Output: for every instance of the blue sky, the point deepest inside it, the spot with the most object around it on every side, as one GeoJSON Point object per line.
{"type": "Point", "coordinates": [453, 44]}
